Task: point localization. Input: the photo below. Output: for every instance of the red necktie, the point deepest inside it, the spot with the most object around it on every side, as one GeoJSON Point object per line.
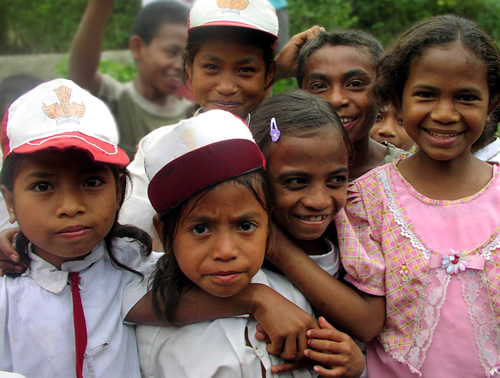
{"type": "Point", "coordinates": [79, 323]}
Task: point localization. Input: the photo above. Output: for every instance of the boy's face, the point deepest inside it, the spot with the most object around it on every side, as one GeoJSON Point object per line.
{"type": "Point", "coordinates": [344, 76]}
{"type": "Point", "coordinates": [220, 241]}
{"type": "Point", "coordinates": [159, 64]}
{"type": "Point", "coordinates": [308, 177]}
{"type": "Point", "coordinates": [389, 127]}
{"type": "Point", "coordinates": [229, 75]}
{"type": "Point", "coordinates": [64, 203]}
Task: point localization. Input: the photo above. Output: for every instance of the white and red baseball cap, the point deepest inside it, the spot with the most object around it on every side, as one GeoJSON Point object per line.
{"type": "Point", "coordinates": [195, 154]}
{"type": "Point", "coordinates": [61, 115]}
{"type": "Point", "coordinates": [253, 14]}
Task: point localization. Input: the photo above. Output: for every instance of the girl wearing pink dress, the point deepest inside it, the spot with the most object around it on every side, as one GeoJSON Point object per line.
{"type": "Point", "coordinates": [430, 223]}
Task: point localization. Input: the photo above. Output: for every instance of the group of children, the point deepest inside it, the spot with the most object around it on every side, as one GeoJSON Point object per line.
{"type": "Point", "coordinates": [269, 254]}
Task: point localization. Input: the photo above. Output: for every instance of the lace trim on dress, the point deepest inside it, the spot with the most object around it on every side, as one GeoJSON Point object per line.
{"type": "Point", "coordinates": [435, 285]}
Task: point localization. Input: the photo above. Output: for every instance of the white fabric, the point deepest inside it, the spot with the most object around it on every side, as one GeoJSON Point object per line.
{"type": "Point", "coordinates": [255, 14]}
{"type": "Point", "coordinates": [491, 152]}
{"type": "Point", "coordinates": [36, 315]}
{"type": "Point", "coordinates": [57, 107]}
{"type": "Point", "coordinates": [215, 348]}
{"type": "Point", "coordinates": [330, 261]}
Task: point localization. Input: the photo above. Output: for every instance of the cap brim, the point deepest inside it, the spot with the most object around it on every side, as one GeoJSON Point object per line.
{"type": "Point", "coordinates": [99, 150]}
{"type": "Point", "coordinates": [232, 23]}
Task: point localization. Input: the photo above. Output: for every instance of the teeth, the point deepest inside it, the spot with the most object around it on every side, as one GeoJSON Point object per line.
{"type": "Point", "coordinates": [345, 120]}
{"type": "Point", "coordinates": [442, 136]}
{"type": "Point", "coordinates": [314, 219]}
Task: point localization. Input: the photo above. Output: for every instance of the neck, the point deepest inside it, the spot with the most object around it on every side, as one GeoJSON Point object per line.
{"type": "Point", "coordinates": [313, 247]}
{"type": "Point", "coordinates": [367, 154]}
{"type": "Point", "coordinates": [452, 179]}
{"type": "Point", "coordinates": [150, 94]}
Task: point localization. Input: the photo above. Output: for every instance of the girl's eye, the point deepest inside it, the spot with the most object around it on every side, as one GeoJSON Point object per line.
{"type": "Point", "coordinates": [379, 118]}
{"type": "Point", "coordinates": [42, 187]}
{"type": "Point", "coordinates": [467, 97]}
{"type": "Point", "coordinates": [317, 87]}
{"type": "Point", "coordinates": [200, 229]}
{"type": "Point", "coordinates": [93, 182]}
{"type": "Point", "coordinates": [338, 180]}
{"type": "Point", "coordinates": [295, 182]}
{"type": "Point", "coordinates": [356, 84]}
{"type": "Point", "coordinates": [423, 94]}
{"type": "Point", "coordinates": [210, 67]}
{"type": "Point", "coordinates": [247, 226]}
{"type": "Point", "coordinates": [247, 70]}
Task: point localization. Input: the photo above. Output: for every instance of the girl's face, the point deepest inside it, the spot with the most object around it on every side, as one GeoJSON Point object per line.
{"type": "Point", "coordinates": [445, 101]}
{"type": "Point", "coordinates": [64, 209]}
{"type": "Point", "coordinates": [344, 76]}
{"type": "Point", "coordinates": [229, 75]}
{"type": "Point", "coordinates": [220, 241]}
{"type": "Point", "coordinates": [308, 177]}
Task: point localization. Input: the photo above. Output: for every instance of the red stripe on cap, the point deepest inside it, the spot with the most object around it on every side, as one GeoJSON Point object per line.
{"type": "Point", "coordinates": [199, 169]}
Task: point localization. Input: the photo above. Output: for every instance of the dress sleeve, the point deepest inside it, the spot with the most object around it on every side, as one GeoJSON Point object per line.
{"type": "Point", "coordinates": [359, 240]}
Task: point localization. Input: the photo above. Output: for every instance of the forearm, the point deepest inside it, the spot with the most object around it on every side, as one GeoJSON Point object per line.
{"type": "Point", "coordinates": [85, 52]}
{"type": "Point", "coordinates": [360, 315]}
{"type": "Point", "coordinates": [197, 305]}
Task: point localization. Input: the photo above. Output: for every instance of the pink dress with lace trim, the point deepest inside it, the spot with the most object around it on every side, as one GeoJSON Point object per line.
{"type": "Point", "coordinates": [437, 323]}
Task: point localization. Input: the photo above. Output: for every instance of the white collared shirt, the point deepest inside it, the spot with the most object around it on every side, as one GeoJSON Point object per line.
{"type": "Point", "coordinates": [36, 315]}
{"type": "Point", "coordinates": [216, 348]}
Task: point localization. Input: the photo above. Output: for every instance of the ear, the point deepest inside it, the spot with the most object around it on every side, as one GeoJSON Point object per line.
{"type": "Point", "coordinates": [9, 201]}
{"type": "Point", "coordinates": [270, 76]}
{"type": "Point", "coordinates": [158, 225]}
{"type": "Point", "coordinates": [119, 190]}
{"type": "Point", "coordinates": [189, 70]}
{"type": "Point", "coordinates": [494, 103]}
{"type": "Point", "coordinates": [136, 44]}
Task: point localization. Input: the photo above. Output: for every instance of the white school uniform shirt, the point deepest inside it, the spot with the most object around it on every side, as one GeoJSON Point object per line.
{"type": "Point", "coordinates": [36, 315]}
{"type": "Point", "coordinates": [223, 348]}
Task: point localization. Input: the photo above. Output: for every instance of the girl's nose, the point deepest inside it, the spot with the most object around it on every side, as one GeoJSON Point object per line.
{"type": "Point", "coordinates": [317, 199]}
{"type": "Point", "coordinates": [338, 98]}
{"type": "Point", "coordinates": [445, 112]}
{"type": "Point", "coordinates": [226, 85]}
{"type": "Point", "coordinates": [224, 248]}
{"type": "Point", "coordinates": [70, 202]}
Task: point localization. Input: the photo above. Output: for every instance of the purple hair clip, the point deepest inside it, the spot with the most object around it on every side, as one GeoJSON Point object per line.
{"type": "Point", "coordinates": [274, 132]}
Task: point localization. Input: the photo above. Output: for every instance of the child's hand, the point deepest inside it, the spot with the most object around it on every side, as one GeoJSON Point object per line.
{"type": "Point", "coordinates": [9, 258]}
{"type": "Point", "coordinates": [337, 353]}
{"type": "Point", "coordinates": [286, 60]}
{"type": "Point", "coordinates": [283, 326]}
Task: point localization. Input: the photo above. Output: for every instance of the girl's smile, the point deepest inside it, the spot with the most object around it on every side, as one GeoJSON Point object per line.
{"type": "Point", "coordinates": [445, 101]}
{"type": "Point", "coordinates": [308, 177]}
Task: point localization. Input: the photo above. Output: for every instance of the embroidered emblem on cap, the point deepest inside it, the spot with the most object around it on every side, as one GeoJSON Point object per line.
{"type": "Point", "coordinates": [233, 6]}
{"type": "Point", "coordinates": [65, 111]}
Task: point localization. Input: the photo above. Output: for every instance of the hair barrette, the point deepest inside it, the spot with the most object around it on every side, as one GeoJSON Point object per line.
{"type": "Point", "coordinates": [274, 132]}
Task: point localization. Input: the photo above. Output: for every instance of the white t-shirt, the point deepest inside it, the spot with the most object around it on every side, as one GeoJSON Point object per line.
{"type": "Point", "coordinates": [221, 348]}
{"type": "Point", "coordinates": [36, 315]}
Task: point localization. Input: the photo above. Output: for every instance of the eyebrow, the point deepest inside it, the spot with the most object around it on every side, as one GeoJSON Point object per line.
{"type": "Point", "coordinates": [40, 174]}
{"type": "Point", "coordinates": [356, 72]}
{"type": "Point", "coordinates": [474, 91]}
{"type": "Point", "coordinates": [305, 174]}
{"type": "Point", "coordinates": [244, 60]}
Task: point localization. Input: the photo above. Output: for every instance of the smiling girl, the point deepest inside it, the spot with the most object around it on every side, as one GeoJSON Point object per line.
{"type": "Point", "coordinates": [429, 223]}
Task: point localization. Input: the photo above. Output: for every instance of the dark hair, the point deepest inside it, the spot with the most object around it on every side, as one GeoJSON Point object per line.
{"type": "Point", "coordinates": [168, 282]}
{"type": "Point", "coordinates": [394, 67]}
{"type": "Point", "coordinates": [7, 178]}
{"type": "Point", "coordinates": [297, 113]}
{"type": "Point", "coordinates": [153, 16]}
{"type": "Point", "coordinates": [488, 135]}
{"type": "Point", "coordinates": [349, 37]}
{"type": "Point", "coordinates": [247, 36]}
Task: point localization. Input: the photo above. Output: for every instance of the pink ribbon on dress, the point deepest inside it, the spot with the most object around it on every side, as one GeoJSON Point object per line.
{"type": "Point", "coordinates": [474, 262]}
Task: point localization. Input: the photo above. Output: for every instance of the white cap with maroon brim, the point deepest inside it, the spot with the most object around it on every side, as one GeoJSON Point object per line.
{"type": "Point", "coordinates": [195, 154]}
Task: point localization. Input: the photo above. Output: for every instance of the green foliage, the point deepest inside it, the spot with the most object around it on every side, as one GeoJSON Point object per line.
{"type": "Point", "coordinates": [47, 26]}
{"type": "Point", "coordinates": [122, 72]}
